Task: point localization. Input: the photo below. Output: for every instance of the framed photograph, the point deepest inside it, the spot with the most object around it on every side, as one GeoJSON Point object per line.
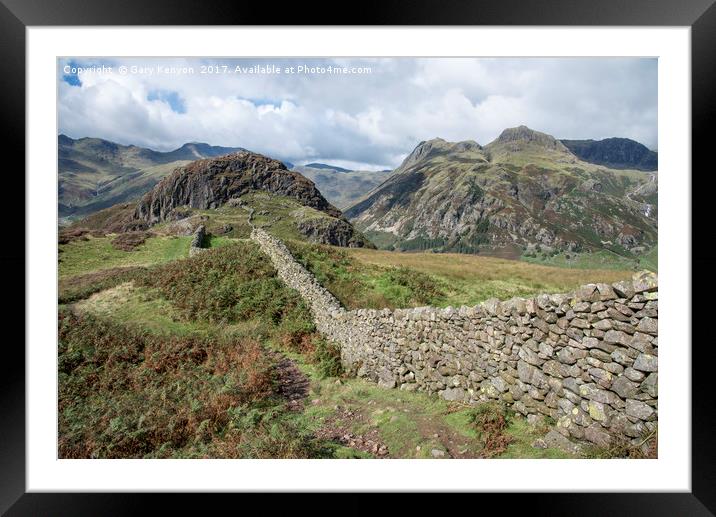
{"type": "Point", "coordinates": [419, 253]}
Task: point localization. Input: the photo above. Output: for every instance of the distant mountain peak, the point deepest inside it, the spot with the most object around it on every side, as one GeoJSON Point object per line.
{"type": "Point", "coordinates": [428, 147]}
{"type": "Point", "coordinates": [528, 135]}
{"type": "Point", "coordinates": [326, 166]}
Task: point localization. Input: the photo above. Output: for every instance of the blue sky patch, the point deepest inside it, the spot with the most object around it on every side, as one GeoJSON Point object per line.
{"type": "Point", "coordinates": [172, 98]}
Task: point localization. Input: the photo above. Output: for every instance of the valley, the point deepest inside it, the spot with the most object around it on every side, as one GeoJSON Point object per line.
{"type": "Point", "coordinates": [167, 355]}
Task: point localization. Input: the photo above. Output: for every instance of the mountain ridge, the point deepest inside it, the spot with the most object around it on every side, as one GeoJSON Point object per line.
{"type": "Point", "coordinates": [523, 191]}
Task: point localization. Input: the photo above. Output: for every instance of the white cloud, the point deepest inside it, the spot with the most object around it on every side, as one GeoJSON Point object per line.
{"type": "Point", "coordinates": [368, 119]}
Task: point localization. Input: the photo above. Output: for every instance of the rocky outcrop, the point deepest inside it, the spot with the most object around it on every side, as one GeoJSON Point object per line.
{"type": "Point", "coordinates": [210, 183]}
{"type": "Point", "coordinates": [336, 232]}
{"type": "Point", "coordinates": [587, 359]}
{"type": "Point", "coordinates": [617, 153]}
{"type": "Point", "coordinates": [525, 134]}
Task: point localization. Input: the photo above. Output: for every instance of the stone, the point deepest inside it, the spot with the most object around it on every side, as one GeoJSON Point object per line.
{"type": "Point", "coordinates": [571, 384]}
{"type": "Point", "coordinates": [617, 337]}
{"type": "Point", "coordinates": [499, 384]}
{"type": "Point", "coordinates": [581, 307]}
{"type": "Point", "coordinates": [552, 368]}
{"type": "Point", "coordinates": [606, 292]}
{"type": "Point", "coordinates": [624, 289]}
{"type": "Point", "coordinates": [644, 281]}
{"type": "Point", "coordinates": [597, 435]}
{"type": "Point", "coordinates": [530, 357]}
{"type": "Point", "coordinates": [620, 356]}
{"type": "Point", "coordinates": [580, 323]}
{"type": "Point", "coordinates": [651, 384]}
{"type": "Point", "coordinates": [539, 443]}
{"type": "Point", "coordinates": [437, 453]}
{"type": "Point", "coordinates": [639, 409]}
{"type": "Point", "coordinates": [556, 440]}
{"type": "Point", "coordinates": [525, 371]}
{"type": "Point", "coordinates": [648, 326]}
{"type": "Point", "coordinates": [634, 375]}
{"type": "Point", "coordinates": [569, 355]}
{"type": "Point", "coordinates": [592, 392]}
{"type": "Point", "coordinates": [623, 387]}
{"type": "Point", "coordinates": [603, 325]}
{"type": "Point", "coordinates": [601, 377]}
{"type": "Point", "coordinates": [646, 363]}
{"type": "Point", "coordinates": [598, 411]}
{"type": "Point", "coordinates": [453, 394]}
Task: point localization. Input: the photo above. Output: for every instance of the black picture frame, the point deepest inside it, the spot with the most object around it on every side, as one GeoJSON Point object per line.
{"type": "Point", "coordinates": [700, 15]}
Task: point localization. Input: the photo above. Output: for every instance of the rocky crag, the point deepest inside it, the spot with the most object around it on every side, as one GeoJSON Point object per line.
{"type": "Point", "coordinates": [210, 183]}
{"type": "Point", "coordinates": [587, 359]}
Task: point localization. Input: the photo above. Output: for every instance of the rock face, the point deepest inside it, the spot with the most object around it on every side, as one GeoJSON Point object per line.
{"type": "Point", "coordinates": [546, 355]}
{"type": "Point", "coordinates": [335, 232]}
{"type": "Point", "coordinates": [210, 183]}
{"type": "Point", "coordinates": [617, 153]}
{"type": "Point", "coordinates": [524, 193]}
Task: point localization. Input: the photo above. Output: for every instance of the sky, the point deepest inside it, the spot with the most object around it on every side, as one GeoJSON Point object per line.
{"type": "Point", "coordinates": [359, 113]}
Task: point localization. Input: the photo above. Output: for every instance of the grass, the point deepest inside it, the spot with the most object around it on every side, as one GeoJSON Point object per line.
{"type": "Point", "coordinates": [413, 424]}
{"type": "Point", "coordinates": [601, 259]}
{"type": "Point", "coordinates": [124, 393]}
{"type": "Point", "coordinates": [163, 356]}
{"type": "Point", "coordinates": [97, 254]}
{"type": "Point", "coordinates": [375, 279]}
{"type": "Point", "coordinates": [145, 370]}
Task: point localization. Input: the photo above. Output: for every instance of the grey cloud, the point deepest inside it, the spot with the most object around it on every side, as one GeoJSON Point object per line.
{"type": "Point", "coordinates": [372, 119]}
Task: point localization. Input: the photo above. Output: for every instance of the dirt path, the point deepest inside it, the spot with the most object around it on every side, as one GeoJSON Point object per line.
{"type": "Point", "coordinates": [293, 385]}
{"type": "Point", "coordinates": [338, 429]}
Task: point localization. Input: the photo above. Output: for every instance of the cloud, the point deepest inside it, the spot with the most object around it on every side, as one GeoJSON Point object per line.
{"type": "Point", "coordinates": [371, 119]}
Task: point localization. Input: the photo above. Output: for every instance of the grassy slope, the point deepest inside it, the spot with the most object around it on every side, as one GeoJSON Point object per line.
{"type": "Point", "coordinates": [101, 188]}
{"type": "Point", "coordinates": [599, 259]}
{"type": "Point", "coordinates": [110, 421]}
{"type": "Point", "coordinates": [169, 301]}
{"type": "Point", "coordinates": [173, 363]}
{"type": "Point", "coordinates": [377, 279]}
{"type": "Point", "coordinates": [97, 253]}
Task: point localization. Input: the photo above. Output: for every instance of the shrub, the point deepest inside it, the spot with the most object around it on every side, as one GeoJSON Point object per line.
{"type": "Point", "coordinates": [130, 240]}
{"type": "Point", "coordinates": [423, 289]}
{"type": "Point", "coordinates": [327, 358]}
{"type": "Point", "coordinates": [491, 421]}
{"type": "Point", "coordinates": [125, 393]}
{"type": "Point", "coordinates": [228, 284]}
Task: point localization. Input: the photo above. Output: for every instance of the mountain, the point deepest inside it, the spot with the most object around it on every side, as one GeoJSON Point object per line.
{"type": "Point", "coordinates": [219, 193]}
{"type": "Point", "coordinates": [616, 153]}
{"type": "Point", "coordinates": [523, 193]}
{"type": "Point", "coordinates": [96, 173]}
{"type": "Point", "coordinates": [327, 167]}
{"type": "Point", "coordinates": [341, 186]}
{"type": "Point", "coordinates": [211, 182]}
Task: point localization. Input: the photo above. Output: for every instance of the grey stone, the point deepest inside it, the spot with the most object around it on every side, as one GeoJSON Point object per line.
{"type": "Point", "coordinates": [639, 409]}
{"type": "Point", "coordinates": [648, 326]}
{"type": "Point", "coordinates": [597, 435]}
{"type": "Point", "coordinates": [623, 387]}
{"type": "Point", "coordinates": [454, 394]}
{"type": "Point", "coordinates": [557, 441]}
{"type": "Point", "coordinates": [634, 375]}
{"type": "Point", "coordinates": [646, 363]}
{"type": "Point", "coordinates": [650, 385]}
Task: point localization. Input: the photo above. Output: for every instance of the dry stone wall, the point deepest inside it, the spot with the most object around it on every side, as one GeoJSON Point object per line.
{"type": "Point", "coordinates": [587, 359]}
{"type": "Point", "coordinates": [197, 241]}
